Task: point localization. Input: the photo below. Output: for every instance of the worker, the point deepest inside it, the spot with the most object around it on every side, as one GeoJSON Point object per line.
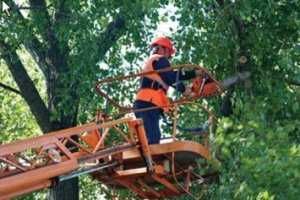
{"type": "Point", "coordinates": [154, 86]}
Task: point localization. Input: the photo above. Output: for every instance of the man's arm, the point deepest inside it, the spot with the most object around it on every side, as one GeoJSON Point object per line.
{"type": "Point", "coordinates": [170, 77]}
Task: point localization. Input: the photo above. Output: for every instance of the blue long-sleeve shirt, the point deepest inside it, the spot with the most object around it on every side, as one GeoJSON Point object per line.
{"type": "Point", "coordinates": [170, 77]}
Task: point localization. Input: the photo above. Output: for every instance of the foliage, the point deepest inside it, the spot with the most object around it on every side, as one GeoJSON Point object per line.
{"type": "Point", "coordinates": [259, 157]}
{"type": "Point", "coordinates": [258, 145]}
{"type": "Point", "coordinates": [16, 121]}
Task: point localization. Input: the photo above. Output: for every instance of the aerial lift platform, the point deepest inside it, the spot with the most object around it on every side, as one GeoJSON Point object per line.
{"type": "Point", "coordinates": [40, 162]}
{"type": "Point", "coordinates": [150, 171]}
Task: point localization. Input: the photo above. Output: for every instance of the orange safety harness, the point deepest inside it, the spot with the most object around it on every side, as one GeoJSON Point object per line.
{"type": "Point", "coordinates": [155, 95]}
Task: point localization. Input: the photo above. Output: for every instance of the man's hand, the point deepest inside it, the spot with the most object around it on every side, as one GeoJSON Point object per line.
{"type": "Point", "coordinates": [200, 72]}
{"type": "Point", "coordinates": [188, 92]}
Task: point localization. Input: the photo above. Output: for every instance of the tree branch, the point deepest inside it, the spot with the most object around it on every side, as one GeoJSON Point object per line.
{"type": "Point", "coordinates": [61, 12]}
{"type": "Point", "coordinates": [228, 84]}
{"type": "Point", "coordinates": [293, 82]}
{"type": "Point", "coordinates": [235, 79]}
{"type": "Point", "coordinates": [36, 49]}
{"type": "Point", "coordinates": [43, 16]}
{"type": "Point", "coordinates": [27, 87]}
{"type": "Point", "coordinates": [109, 37]}
{"type": "Point", "coordinates": [226, 104]}
{"type": "Point", "coordinates": [57, 56]}
{"type": "Point", "coordinates": [220, 2]}
{"type": "Point", "coordinates": [6, 87]}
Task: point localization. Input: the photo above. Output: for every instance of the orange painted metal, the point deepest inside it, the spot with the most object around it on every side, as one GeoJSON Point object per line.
{"type": "Point", "coordinates": [130, 173]}
{"type": "Point", "coordinates": [176, 146]}
{"type": "Point", "coordinates": [186, 153]}
{"type": "Point", "coordinates": [26, 189]}
{"type": "Point", "coordinates": [152, 191]}
{"type": "Point", "coordinates": [31, 164]}
{"type": "Point", "coordinates": [166, 183]}
{"type": "Point", "coordinates": [100, 142]}
{"type": "Point", "coordinates": [135, 172]}
{"type": "Point", "coordinates": [35, 174]}
{"type": "Point", "coordinates": [91, 138]}
{"type": "Point", "coordinates": [142, 138]}
{"type": "Point", "coordinates": [18, 182]}
{"type": "Point", "coordinates": [129, 183]}
{"type": "Point", "coordinates": [52, 136]}
{"type": "Point", "coordinates": [187, 181]}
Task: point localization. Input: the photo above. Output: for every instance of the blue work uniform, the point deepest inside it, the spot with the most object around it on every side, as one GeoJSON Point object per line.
{"type": "Point", "coordinates": [151, 117]}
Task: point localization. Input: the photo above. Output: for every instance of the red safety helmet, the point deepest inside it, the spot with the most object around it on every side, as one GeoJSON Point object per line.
{"type": "Point", "coordinates": [164, 42]}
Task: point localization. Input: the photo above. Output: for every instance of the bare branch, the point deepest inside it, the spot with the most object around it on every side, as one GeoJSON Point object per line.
{"type": "Point", "coordinates": [7, 87]}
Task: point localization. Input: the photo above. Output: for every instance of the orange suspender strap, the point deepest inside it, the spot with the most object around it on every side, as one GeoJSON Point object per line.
{"type": "Point", "coordinates": [148, 66]}
{"type": "Point", "coordinates": [157, 97]}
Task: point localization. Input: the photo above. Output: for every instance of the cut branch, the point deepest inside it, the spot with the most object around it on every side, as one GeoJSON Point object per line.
{"type": "Point", "coordinates": [293, 82]}
{"type": "Point", "coordinates": [235, 79]}
{"type": "Point", "coordinates": [6, 87]}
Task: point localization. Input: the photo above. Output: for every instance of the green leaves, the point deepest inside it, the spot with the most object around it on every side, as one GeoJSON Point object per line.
{"type": "Point", "coordinates": [258, 146]}
{"type": "Point", "coordinates": [259, 158]}
{"type": "Point", "coordinates": [16, 121]}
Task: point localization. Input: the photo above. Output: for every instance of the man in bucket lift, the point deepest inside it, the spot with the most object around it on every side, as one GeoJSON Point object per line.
{"type": "Point", "coordinates": [154, 86]}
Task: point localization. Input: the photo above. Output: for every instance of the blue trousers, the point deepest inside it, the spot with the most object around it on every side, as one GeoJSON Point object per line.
{"type": "Point", "coordinates": [150, 119]}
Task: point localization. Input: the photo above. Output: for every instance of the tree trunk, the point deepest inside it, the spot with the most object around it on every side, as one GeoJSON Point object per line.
{"type": "Point", "coordinates": [52, 56]}
{"type": "Point", "coordinates": [66, 190]}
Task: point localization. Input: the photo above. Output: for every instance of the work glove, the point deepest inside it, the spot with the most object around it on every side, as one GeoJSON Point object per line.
{"type": "Point", "coordinates": [200, 72]}
{"type": "Point", "coordinates": [188, 92]}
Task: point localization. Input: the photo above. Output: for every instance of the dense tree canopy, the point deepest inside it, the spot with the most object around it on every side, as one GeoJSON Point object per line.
{"type": "Point", "coordinates": [52, 52]}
